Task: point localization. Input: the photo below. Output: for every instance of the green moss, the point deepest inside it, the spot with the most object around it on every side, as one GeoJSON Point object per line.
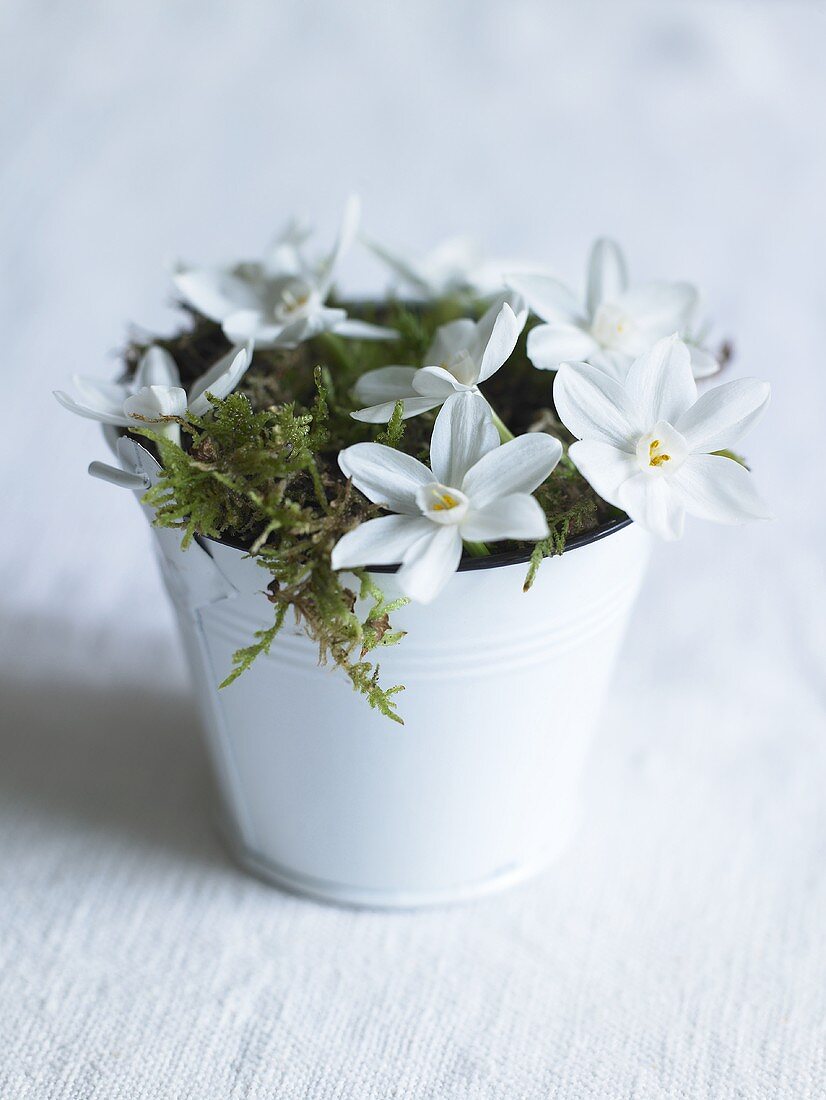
{"type": "Point", "coordinates": [261, 472]}
{"type": "Point", "coordinates": [393, 434]}
{"type": "Point", "coordinates": [260, 478]}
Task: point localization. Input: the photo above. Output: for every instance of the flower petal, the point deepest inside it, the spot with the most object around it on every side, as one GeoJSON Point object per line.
{"type": "Point", "coordinates": [385, 384]}
{"type": "Point", "coordinates": [603, 466]}
{"type": "Point", "coordinates": [592, 405]}
{"type": "Point", "coordinates": [382, 541]}
{"type": "Point", "coordinates": [502, 340]}
{"type": "Point", "coordinates": [346, 235]}
{"type": "Point", "coordinates": [547, 297]}
{"type": "Point", "coordinates": [430, 564]}
{"type": "Point", "coordinates": [355, 329]}
{"type": "Point", "coordinates": [381, 413]}
{"type": "Point", "coordinates": [661, 308]}
{"type": "Point", "coordinates": [518, 466]}
{"type": "Point", "coordinates": [463, 433]}
{"type": "Point", "coordinates": [483, 329]}
{"type": "Point", "coordinates": [550, 345]}
{"type": "Point", "coordinates": [90, 413]}
{"type": "Point", "coordinates": [436, 382]}
{"type": "Point", "coordinates": [450, 267]}
{"type": "Point", "coordinates": [660, 385]}
{"type": "Point", "coordinates": [250, 324]}
{"type": "Point", "coordinates": [406, 268]}
{"type": "Point", "coordinates": [607, 274]}
{"type": "Point", "coordinates": [720, 489]}
{"type": "Point", "coordinates": [703, 363]}
{"type": "Point", "coordinates": [451, 339]}
{"type": "Point", "coordinates": [220, 380]}
{"type": "Point", "coordinates": [385, 476]}
{"type": "Point", "coordinates": [283, 257]}
{"type": "Point", "coordinates": [104, 396]}
{"type": "Point", "coordinates": [156, 368]}
{"type": "Point", "coordinates": [217, 292]}
{"type": "Point", "coordinates": [651, 502]}
{"type": "Point", "coordinates": [723, 415]}
{"type": "Point", "coordinates": [517, 516]}
{"type": "Point", "coordinates": [305, 328]}
{"type": "Point", "coordinates": [616, 364]}
{"type": "Point", "coordinates": [154, 402]}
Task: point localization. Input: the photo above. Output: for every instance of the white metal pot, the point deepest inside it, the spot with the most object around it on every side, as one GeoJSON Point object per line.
{"type": "Point", "coordinates": [478, 790]}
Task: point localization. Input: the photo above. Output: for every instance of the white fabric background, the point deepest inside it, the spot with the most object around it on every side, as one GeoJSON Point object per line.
{"type": "Point", "coordinates": [678, 949]}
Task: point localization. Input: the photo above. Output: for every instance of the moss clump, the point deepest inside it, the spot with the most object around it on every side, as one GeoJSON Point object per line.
{"type": "Point", "coordinates": [261, 478]}
{"type": "Point", "coordinates": [261, 471]}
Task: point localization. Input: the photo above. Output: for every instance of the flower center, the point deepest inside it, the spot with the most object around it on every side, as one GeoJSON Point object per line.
{"type": "Point", "coordinates": [442, 504]}
{"type": "Point", "coordinates": [662, 450]}
{"type": "Point", "coordinates": [443, 500]}
{"type": "Point", "coordinates": [656, 455]}
{"type": "Point", "coordinates": [462, 367]}
{"type": "Point", "coordinates": [612, 327]}
{"type": "Point", "coordinates": [296, 301]}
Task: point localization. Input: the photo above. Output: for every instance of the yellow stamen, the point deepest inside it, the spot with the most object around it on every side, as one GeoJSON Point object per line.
{"type": "Point", "coordinates": [656, 459]}
{"type": "Point", "coordinates": [295, 301]}
{"type": "Point", "coordinates": [444, 502]}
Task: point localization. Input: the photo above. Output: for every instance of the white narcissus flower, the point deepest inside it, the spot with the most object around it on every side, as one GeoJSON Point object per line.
{"type": "Point", "coordinates": [156, 392]}
{"type": "Point", "coordinates": [279, 301]}
{"type": "Point", "coordinates": [454, 267]}
{"type": "Point", "coordinates": [615, 324]}
{"type": "Point", "coordinates": [646, 444]}
{"type": "Point", "coordinates": [476, 490]}
{"type": "Point", "coordinates": [463, 354]}
{"type": "Point", "coordinates": [446, 270]}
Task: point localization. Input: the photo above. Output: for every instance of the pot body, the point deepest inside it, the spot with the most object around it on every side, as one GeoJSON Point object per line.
{"type": "Point", "coordinates": [478, 789]}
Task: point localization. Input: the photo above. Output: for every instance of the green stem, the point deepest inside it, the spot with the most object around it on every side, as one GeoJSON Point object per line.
{"type": "Point", "coordinates": [477, 549]}
{"type": "Point", "coordinates": [505, 434]}
{"type": "Point", "coordinates": [318, 485]}
{"type": "Point", "coordinates": [336, 349]}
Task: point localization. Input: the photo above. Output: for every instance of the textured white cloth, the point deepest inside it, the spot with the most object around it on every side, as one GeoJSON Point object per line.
{"type": "Point", "coordinates": [678, 949]}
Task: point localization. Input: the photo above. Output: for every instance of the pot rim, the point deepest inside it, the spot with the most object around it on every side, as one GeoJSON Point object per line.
{"type": "Point", "coordinates": [492, 561]}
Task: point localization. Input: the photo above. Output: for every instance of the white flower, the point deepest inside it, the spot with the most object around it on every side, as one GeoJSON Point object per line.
{"type": "Point", "coordinates": [647, 443]}
{"type": "Point", "coordinates": [615, 324]}
{"type": "Point", "coordinates": [155, 392]}
{"type": "Point", "coordinates": [463, 353]}
{"type": "Point", "coordinates": [454, 267]}
{"type": "Point", "coordinates": [280, 300]}
{"type": "Point", "coordinates": [476, 490]}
